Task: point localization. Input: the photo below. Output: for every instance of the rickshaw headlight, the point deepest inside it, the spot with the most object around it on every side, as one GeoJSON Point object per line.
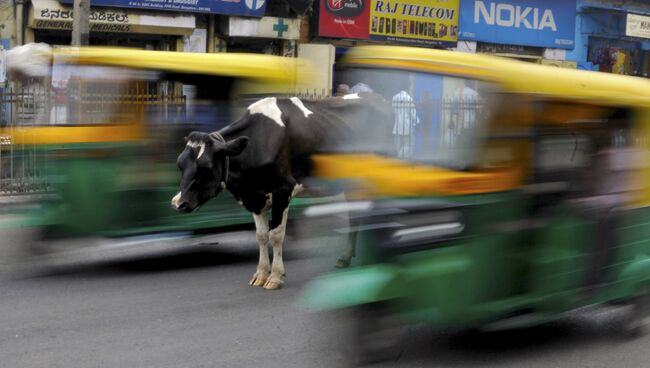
{"type": "Point", "coordinates": [426, 232]}
{"type": "Point", "coordinates": [422, 229]}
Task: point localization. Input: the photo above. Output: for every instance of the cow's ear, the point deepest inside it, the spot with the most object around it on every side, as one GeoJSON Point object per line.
{"type": "Point", "coordinates": [236, 146]}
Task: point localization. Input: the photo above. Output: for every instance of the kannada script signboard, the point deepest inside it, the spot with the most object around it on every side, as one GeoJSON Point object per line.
{"type": "Point", "coordinates": [250, 8]}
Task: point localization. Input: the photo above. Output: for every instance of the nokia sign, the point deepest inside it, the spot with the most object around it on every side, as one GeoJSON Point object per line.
{"type": "Point", "coordinates": [548, 23]}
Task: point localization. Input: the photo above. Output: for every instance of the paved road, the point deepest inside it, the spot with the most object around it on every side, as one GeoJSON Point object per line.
{"type": "Point", "coordinates": [196, 310]}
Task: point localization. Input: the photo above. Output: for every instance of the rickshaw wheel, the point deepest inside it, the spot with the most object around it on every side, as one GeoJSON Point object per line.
{"type": "Point", "coordinates": [377, 335]}
{"type": "Point", "coordinates": [635, 323]}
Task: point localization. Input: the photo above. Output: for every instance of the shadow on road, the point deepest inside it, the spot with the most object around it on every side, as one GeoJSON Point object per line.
{"type": "Point", "coordinates": [580, 331]}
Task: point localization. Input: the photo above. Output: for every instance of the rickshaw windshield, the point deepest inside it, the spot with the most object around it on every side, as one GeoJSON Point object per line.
{"type": "Point", "coordinates": [99, 94]}
{"type": "Point", "coordinates": [437, 119]}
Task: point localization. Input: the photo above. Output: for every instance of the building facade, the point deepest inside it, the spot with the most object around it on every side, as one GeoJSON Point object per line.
{"type": "Point", "coordinates": [613, 36]}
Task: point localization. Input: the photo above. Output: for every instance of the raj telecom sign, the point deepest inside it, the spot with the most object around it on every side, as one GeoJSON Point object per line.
{"type": "Point", "coordinates": [637, 26]}
{"type": "Point", "coordinates": [549, 23]}
{"type": "Point", "coordinates": [251, 8]}
{"type": "Point", "coordinates": [423, 22]}
{"type": "Point", "coordinates": [419, 22]}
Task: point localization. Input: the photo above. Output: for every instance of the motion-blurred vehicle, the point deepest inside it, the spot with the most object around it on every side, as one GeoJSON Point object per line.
{"type": "Point", "coordinates": [485, 212]}
{"type": "Point", "coordinates": [108, 141]}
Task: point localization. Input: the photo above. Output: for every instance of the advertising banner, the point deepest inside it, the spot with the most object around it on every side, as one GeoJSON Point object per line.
{"type": "Point", "coordinates": [421, 22]}
{"type": "Point", "coordinates": [249, 8]}
{"type": "Point", "coordinates": [549, 23]}
{"type": "Point", "coordinates": [49, 14]}
{"type": "Point", "coordinates": [344, 18]}
{"type": "Point", "coordinates": [637, 26]}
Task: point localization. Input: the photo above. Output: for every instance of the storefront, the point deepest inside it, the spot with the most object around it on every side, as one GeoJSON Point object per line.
{"type": "Point", "coordinates": [175, 25]}
{"type": "Point", "coordinates": [527, 30]}
{"type": "Point", "coordinates": [51, 22]}
{"type": "Point", "coordinates": [614, 40]}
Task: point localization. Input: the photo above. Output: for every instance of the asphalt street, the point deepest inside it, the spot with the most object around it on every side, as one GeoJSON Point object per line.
{"type": "Point", "coordinates": [196, 309]}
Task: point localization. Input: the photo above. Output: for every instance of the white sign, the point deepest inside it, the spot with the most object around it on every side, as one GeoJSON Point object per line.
{"type": "Point", "coordinates": [265, 27]}
{"type": "Point", "coordinates": [196, 42]}
{"type": "Point", "coordinates": [3, 66]}
{"type": "Point", "coordinates": [637, 26]}
{"type": "Point", "coordinates": [508, 15]}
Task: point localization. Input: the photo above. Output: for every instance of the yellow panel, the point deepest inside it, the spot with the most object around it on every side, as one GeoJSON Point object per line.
{"type": "Point", "coordinates": [512, 75]}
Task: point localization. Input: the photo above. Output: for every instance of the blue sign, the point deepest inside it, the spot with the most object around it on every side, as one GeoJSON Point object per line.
{"type": "Point", "coordinates": [251, 8]}
{"type": "Point", "coordinates": [549, 23]}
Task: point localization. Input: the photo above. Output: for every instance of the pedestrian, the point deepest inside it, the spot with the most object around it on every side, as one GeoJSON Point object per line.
{"type": "Point", "coordinates": [342, 89]}
{"type": "Point", "coordinates": [406, 120]}
{"type": "Point", "coordinates": [361, 87]}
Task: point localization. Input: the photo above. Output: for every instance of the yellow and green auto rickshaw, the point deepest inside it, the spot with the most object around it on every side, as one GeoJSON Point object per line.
{"type": "Point", "coordinates": [510, 193]}
{"type": "Point", "coordinates": [106, 144]}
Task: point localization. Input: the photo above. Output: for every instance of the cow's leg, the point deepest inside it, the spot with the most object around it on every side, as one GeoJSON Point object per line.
{"type": "Point", "coordinates": [262, 234]}
{"type": "Point", "coordinates": [350, 251]}
{"type": "Point", "coordinates": [280, 210]}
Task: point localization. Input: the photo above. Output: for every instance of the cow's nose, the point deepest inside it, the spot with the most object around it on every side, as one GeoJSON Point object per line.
{"type": "Point", "coordinates": [183, 207]}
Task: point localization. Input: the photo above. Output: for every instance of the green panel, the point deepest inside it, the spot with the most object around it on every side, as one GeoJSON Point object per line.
{"type": "Point", "coordinates": [361, 285]}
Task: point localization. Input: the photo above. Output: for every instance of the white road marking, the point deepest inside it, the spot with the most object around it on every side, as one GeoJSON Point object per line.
{"type": "Point", "coordinates": [269, 108]}
{"type": "Point", "coordinates": [296, 101]}
{"type": "Point", "coordinates": [351, 96]}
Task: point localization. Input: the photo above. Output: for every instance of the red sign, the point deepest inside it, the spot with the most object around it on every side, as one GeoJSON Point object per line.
{"type": "Point", "coordinates": [344, 18]}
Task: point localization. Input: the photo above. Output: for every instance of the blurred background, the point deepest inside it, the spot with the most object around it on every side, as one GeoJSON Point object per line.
{"type": "Point", "coordinates": [497, 218]}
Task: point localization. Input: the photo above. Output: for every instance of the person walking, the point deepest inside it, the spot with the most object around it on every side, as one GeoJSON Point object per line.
{"type": "Point", "coordinates": [406, 120]}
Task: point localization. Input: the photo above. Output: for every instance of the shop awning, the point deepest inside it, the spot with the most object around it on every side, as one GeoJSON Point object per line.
{"type": "Point", "coordinates": [50, 14]}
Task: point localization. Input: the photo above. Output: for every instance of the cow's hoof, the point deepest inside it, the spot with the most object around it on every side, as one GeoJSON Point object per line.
{"type": "Point", "coordinates": [273, 284]}
{"type": "Point", "coordinates": [259, 279]}
{"type": "Point", "coordinates": [343, 263]}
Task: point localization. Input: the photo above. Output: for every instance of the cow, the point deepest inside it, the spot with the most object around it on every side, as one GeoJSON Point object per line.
{"type": "Point", "coordinates": [263, 157]}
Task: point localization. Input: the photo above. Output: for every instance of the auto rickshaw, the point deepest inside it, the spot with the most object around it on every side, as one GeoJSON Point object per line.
{"type": "Point", "coordinates": [106, 146]}
{"type": "Point", "coordinates": [477, 214]}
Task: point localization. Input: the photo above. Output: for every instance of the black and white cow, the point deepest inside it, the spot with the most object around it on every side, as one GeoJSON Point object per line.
{"type": "Point", "coordinates": [262, 157]}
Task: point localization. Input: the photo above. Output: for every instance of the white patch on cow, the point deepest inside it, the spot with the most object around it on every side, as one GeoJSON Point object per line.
{"type": "Point", "coordinates": [176, 200]}
{"type": "Point", "coordinates": [199, 145]}
{"type": "Point", "coordinates": [351, 96]}
{"type": "Point", "coordinates": [296, 190]}
{"type": "Point", "coordinates": [269, 108]}
{"type": "Point", "coordinates": [296, 101]}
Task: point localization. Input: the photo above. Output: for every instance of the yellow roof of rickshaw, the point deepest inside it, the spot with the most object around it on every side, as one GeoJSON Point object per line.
{"type": "Point", "coordinates": [512, 75]}
{"type": "Point", "coordinates": [243, 65]}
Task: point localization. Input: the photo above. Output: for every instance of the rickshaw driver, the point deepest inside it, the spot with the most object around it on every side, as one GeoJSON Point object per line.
{"type": "Point", "coordinates": [605, 185]}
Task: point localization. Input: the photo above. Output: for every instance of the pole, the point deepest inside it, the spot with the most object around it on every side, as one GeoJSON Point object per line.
{"type": "Point", "coordinates": [19, 22]}
{"type": "Point", "coordinates": [80, 27]}
{"type": "Point", "coordinates": [211, 34]}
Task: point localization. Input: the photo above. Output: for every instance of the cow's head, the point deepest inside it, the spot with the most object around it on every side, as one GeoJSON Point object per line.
{"type": "Point", "coordinates": [204, 168]}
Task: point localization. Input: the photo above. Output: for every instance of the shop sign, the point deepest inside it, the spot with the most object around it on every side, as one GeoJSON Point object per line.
{"type": "Point", "coordinates": [344, 18]}
{"type": "Point", "coordinates": [250, 8]}
{"type": "Point", "coordinates": [265, 27]}
{"type": "Point", "coordinates": [423, 22]}
{"type": "Point", "coordinates": [49, 14]}
{"type": "Point", "coordinates": [637, 26]}
{"type": "Point", "coordinates": [420, 22]}
{"type": "Point", "coordinates": [549, 23]}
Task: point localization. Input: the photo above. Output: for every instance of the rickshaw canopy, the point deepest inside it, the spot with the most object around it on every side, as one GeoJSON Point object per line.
{"type": "Point", "coordinates": [511, 75]}
{"type": "Point", "coordinates": [238, 65]}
